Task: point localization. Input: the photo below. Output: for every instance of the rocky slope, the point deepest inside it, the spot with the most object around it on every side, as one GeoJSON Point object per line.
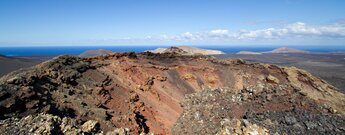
{"type": "Point", "coordinates": [141, 93]}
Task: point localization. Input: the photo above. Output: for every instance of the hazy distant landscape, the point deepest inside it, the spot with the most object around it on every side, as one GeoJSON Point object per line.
{"type": "Point", "coordinates": [328, 66]}
{"type": "Point", "coordinates": [9, 63]}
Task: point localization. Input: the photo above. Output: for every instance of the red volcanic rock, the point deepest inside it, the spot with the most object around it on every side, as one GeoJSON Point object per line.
{"type": "Point", "coordinates": [143, 93]}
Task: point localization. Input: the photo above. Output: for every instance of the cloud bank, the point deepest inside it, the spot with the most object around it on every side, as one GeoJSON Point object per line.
{"type": "Point", "coordinates": [294, 30]}
{"type": "Point", "coordinates": [294, 33]}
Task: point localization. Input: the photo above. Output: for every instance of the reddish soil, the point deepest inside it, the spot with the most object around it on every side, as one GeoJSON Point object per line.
{"type": "Point", "coordinates": [143, 91]}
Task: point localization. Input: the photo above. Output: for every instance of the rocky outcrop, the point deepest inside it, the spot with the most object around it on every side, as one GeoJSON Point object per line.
{"type": "Point", "coordinates": [271, 111]}
{"type": "Point", "coordinates": [141, 93]}
{"type": "Point", "coordinates": [50, 124]}
{"type": "Point", "coordinates": [235, 126]}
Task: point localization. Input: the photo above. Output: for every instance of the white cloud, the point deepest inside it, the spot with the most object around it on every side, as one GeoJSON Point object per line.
{"type": "Point", "coordinates": [164, 37]}
{"type": "Point", "coordinates": [264, 33]}
{"type": "Point", "coordinates": [294, 32]}
{"type": "Point", "coordinates": [302, 28]}
{"type": "Point", "coordinates": [148, 37]}
{"type": "Point", "coordinates": [298, 29]}
{"type": "Point", "coordinates": [219, 33]}
{"type": "Point", "coordinates": [337, 30]}
{"type": "Point", "coordinates": [187, 35]}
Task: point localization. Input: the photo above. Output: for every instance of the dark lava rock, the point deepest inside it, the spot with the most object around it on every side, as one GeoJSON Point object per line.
{"type": "Point", "coordinates": [204, 111]}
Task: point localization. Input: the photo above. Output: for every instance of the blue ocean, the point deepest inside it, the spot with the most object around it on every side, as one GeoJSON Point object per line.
{"type": "Point", "coordinates": [75, 50]}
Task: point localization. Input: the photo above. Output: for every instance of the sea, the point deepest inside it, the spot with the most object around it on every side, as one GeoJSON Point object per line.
{"type": "Point", "coordinates": [75, 50]}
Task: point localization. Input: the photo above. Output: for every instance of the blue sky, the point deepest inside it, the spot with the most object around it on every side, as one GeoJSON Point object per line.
{"type": "Point", "coordinates": [172, 22]}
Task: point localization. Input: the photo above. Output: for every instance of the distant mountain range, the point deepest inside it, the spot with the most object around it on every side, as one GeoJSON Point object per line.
{"type": "Point", "coordinates": [182, 50]}
{"type": "Point", "coordinates": [9, 64]}
{"type": "Point", "coordinates": [278, 50]}
{"type": "Point", "coordinates": [187, 50]}
{"type": "Point", "coordinates": [287, 50]}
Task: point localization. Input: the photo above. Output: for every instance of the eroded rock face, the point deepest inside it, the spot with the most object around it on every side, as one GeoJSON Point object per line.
{"type": "Point", "coordinates": [142, 93]}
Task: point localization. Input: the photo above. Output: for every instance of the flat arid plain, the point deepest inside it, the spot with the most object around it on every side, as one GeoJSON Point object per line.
{"type": "Point", "coordinates": [328, 66]}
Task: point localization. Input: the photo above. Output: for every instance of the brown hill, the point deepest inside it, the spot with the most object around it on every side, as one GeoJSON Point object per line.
{"type": "Point", "coordinates": [175, 50]}
{"type": "Point", "coordinates": [143, 92]}
{"type": "Point", "coordinates": [9, 64]}
{"type": "Point", "coordinates": [287, 50]}
{"type": "Point", "coordinates": [92, 53]}
{"type": "Point", "coordinates": [2, 57]}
